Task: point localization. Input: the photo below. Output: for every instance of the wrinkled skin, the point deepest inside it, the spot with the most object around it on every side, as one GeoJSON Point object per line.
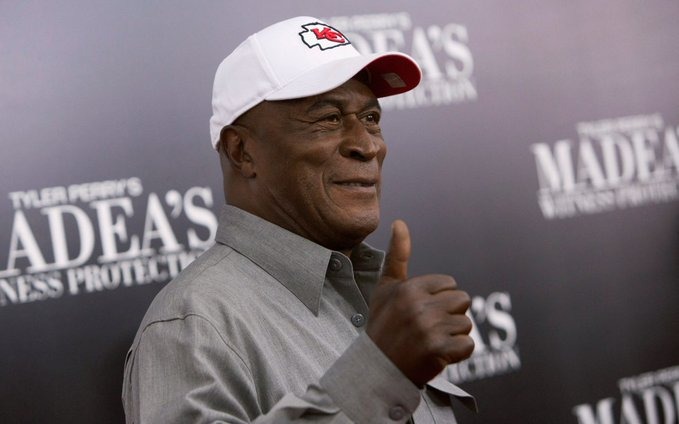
{"type": "Point", "coordinates": [313, 166]}
{"type": "Point", "coordinates": [419, 322]}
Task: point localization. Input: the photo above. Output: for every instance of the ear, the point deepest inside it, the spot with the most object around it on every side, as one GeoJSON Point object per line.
{"type": "Point", "coordinates": [233, 147]}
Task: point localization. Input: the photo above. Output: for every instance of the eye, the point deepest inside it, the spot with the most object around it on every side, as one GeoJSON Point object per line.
{"type": "Point", "coordinates": [333, 118]}
{"type": "Point", "coordinates": [372, 118]}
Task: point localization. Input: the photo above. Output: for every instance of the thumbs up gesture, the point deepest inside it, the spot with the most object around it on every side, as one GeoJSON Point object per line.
{"type": "Point", "coordinates": [420, 322]}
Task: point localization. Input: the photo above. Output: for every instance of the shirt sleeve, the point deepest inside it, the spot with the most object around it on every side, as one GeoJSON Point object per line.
{"type": "Point", "coordinates": [181, 370]}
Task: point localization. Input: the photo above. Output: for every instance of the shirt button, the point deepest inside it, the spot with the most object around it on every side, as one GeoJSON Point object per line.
{"type": "Point", "coordinates": [358, 320]}
{"type": "Point", "coordinates": [397, 413]}
{"type": "Point", "coordinates": [335, 264]}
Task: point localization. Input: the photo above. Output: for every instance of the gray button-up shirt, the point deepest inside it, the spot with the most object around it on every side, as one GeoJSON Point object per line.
{"type": "Point", "coordinates": [268, 327]}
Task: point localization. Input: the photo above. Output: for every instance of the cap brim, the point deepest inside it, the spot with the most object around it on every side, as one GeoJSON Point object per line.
{"type": "Point", "coordinates": [389, 73]}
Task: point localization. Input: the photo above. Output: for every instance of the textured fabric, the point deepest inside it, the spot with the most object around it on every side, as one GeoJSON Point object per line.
{"type": "Point", "coordinates": [268, 327]}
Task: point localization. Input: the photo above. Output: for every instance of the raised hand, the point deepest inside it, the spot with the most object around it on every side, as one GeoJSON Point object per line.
{"type": "Point", "coordinates": [420, 322]}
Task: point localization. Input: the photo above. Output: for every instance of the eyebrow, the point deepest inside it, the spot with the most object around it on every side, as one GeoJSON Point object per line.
{"type": "Point", "coordinates": [339, 104]}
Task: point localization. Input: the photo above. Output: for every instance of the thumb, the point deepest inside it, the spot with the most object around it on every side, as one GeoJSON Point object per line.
{"type": "Point", "coordinates": [396, 262]}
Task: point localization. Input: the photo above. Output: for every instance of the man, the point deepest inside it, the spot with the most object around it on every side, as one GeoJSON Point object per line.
{"type": "Point", "coordinates": [290, 316]}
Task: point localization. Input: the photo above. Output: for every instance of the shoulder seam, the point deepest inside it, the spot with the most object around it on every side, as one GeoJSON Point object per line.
{"type": "Point", "coordinates": [228, 345]}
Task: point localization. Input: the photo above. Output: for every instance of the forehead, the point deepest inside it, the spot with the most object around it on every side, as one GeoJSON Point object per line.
{"type": "Point", "coordinates": [352, 96]}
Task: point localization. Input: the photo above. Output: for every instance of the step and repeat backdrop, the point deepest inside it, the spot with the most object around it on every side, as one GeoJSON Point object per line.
{"type": "Point", "coordinates": [537, 162]}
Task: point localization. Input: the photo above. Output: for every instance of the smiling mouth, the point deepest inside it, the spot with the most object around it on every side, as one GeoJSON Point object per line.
{"type": "Point", "coordinates": [356, 181]}
{"type": "Point", "coordinates": [358, 186]}
{"type": "Point", "coordinates": [355, 184]}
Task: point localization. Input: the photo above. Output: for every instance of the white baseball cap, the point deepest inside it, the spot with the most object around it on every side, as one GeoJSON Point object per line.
{"type": "Point", "coordinates": [296, 58]}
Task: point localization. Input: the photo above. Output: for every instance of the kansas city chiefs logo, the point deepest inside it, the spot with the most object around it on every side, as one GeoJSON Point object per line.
{"type": "Point", "coordinates": [322, 35]}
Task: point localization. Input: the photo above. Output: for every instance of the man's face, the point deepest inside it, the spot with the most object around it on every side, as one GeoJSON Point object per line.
{"type": "Point", "coordinates": [318, 162]}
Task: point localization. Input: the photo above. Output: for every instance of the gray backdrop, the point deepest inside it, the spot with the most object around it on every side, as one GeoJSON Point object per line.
{"type": "Point", "coordinates": [538, 163]}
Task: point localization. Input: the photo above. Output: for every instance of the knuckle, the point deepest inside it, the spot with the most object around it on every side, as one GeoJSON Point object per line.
{"type": "Point", "coordinates": [412, 290]}
{"type": "Point", "coordinates": [465, 299]}
{"type": "Point", "coordinates": [464, 345]}
{"type": "Point", "coordinates": [460, 301]}
{"type": "Point", "coordinates": [408, 311]}
{"type": "Point", "coordinates": [468, 346]}
{"type": "Point", "coordinates": [457, 325]}
{"type": "Point", "coordinates": [435, 346]}
{"type": "Point", "coordinates": [413, 294]}
{"type": "Point", "coordinates": [460, 348]}
{"type": "Point", "coordinates": [449, 281]}
{"type": "Point", "coordinates": [466, 325]}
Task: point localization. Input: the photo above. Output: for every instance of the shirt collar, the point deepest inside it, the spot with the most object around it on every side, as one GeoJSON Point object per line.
{"type": "Point", "coordinates": [442, 384]}
{"type": "Point", "coordinates": [297, 263]}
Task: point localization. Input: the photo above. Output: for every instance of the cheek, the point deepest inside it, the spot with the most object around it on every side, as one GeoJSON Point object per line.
{"type": "Point", "coordinates": [300, 180]}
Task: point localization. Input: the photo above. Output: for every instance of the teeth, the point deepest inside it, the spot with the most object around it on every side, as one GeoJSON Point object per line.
{"type": "Point", "coordinates": [357, 184]}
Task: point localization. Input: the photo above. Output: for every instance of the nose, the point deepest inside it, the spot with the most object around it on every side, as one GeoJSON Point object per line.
{"type": "Point", "coordinates": [358, 142]}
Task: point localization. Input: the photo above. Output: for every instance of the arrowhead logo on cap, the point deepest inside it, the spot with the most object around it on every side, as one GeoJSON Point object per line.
{"type": "Point", "coordinates": [322, 35]}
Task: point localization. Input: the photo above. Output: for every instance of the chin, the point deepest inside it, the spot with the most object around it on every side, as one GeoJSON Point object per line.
{"type": "Point", "coordinates": [356, 229]}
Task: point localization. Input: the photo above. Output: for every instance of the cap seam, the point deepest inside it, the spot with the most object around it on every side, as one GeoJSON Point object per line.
{"type": "Point", "coordinates": [265, 62]}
